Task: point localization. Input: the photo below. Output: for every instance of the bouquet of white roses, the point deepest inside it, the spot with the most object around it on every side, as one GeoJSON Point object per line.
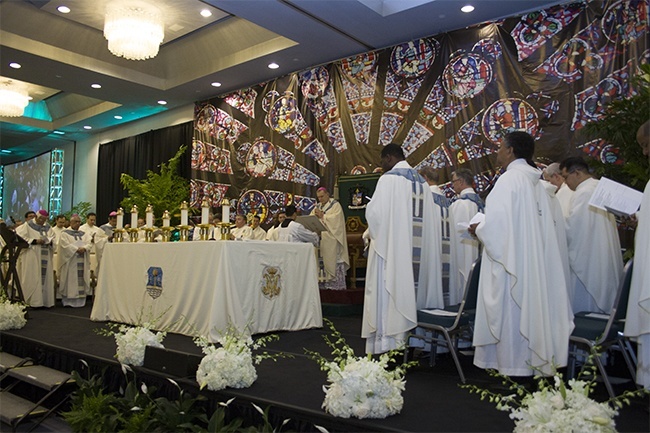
{"type": "Point", "coordinates": [12, 315]}
{"type": "Point", "coordinates": [360, 387]}
{"type": "Point", "coordinates": [132, 342]}
{"type": "Point", "coordinates": [556, 406]}
{"type": "Point", "coordinates": [231, 365]}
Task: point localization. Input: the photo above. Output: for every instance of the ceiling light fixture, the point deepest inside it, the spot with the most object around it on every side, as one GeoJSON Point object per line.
{"type": "Point", "coordinates": [117, 117]}
{"type": "Point", "coordinates": [205, 13]}
{"type": "Point", "coordinates": [88, 127]}
{"type": "Point", "coordinates": [59, 132]}
{"type": "Point", "coordinates": [63, 9]}
{"type": "Point", "coordinates": [467, 9]}
{"type": "Point", "coordinates": [13, 99]}
{"type": "Point", "coordinates": [15, 65]}
{"type": "Point", "coordinates": [216, 84]}
{"type": "Point", "coordinates": [161, 102]}
{"type": "Point", "coordinates": [96, 86]}
{"type": "Point", "coordinates": [273, 65]}
{"type": "Point", "coordinates": [134, 29]}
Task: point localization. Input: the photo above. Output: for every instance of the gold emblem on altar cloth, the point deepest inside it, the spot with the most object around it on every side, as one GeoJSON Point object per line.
{"type": "Point", "coordinates": [154, 281]}
{"type": "Point", "coordinates": [271, 281]}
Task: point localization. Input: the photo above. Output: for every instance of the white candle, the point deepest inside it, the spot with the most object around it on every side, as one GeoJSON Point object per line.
{"type": "Point", "coordinates": [134, 217]}
{"type": "Point", "coordinates": [225, 213]}
{"type": "Point", "coordinates": [183, 217]}
{"type": "Point", "coordinates": [149, 220]}
{"type": "Point", "coordinates": [205, 214]}
{"type": "Point", "coordinates": [120, 219]}
{"type": "Point", "coordinates": [166, 219]}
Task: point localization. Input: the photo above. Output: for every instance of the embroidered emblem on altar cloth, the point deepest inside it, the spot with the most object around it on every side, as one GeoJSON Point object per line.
{"type": "Point", "coordinates": [154, 281]}
{"type": "Point", "coordinates": [271, 281]}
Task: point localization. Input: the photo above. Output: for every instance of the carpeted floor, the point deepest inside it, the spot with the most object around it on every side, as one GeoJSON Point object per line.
{"type": "Point", "coordinates": [433, 401]}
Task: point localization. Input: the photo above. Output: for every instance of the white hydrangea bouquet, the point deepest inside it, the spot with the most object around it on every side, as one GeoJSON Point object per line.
{"type": "Point", "coordinates": [133, 340]}
{"type": "Point", "coordinates": [233, 363]}
{"type": "Point", "coordinates": [12, 314]}
{"type": "Point", "coordinates": [557, 406]}
{"type": "Point", "coordinates": [360, 387]}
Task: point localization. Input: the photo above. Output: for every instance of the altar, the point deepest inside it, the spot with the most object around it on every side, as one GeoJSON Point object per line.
{"type": "Point", "coordinates": [205, 286]}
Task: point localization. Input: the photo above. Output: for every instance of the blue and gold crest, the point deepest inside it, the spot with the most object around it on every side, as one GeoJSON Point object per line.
{"type": "Point", "coordinates": [271, 281]}
{"type": "Point", "coordinates": [154, 281]}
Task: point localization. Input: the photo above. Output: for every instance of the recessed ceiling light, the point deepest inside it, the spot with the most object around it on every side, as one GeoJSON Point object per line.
{"type": "Point", "coordinates": [161, 102]}
{"type": "Point", "coordinates": [63, 9]}
{"type": "Point", "coordinates": [88, 127]}
{"type": "Point", "coordinates": [5, 151]}
{"type": "Point", "coordinates": [59, 132]}
{"type": "Point", "coordinates": [15, 65]}
{"type": "Point", "coordinates": [216, 84]}
{"type": "Point", "coordinates": [118, 117]}
{"type": "Point", "coordinates": [273, 65]}
{"type": "Point", "coordinates": [467, 8]}
{"type": "Point", "coordinates": [206, 13]}
{"type": "Point", "coordinates": [96, 86]}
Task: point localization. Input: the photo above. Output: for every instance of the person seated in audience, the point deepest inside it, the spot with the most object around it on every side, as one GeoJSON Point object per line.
{"type": "Point", "coordinates": [74, 264]}
{"type": "Point", "coordinates": [291, 231]}
{"type": "Point", "coordinates": [595, 258]}
{"type": "Point", "coordinates": [258, 233]}
{"type": "Point", "coordinates": [241, 231]}
{"type": "Point", "coordinates": [564, 194]}
{"type": "Point", "coordinates": [463, 250]}
{"type": "Point", "coordinates": [272, 233]}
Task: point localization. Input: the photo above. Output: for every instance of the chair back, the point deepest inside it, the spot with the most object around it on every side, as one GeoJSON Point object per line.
{"type": "Point", "coordinates": [619, 309]}
{"type": "Point", "coordinates": [471, 288]}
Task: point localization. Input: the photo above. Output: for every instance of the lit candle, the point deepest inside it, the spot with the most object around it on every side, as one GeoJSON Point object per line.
{"type": "Point", "coordinates": [205, 212]}
{"type": "Point", "coordinates": [134, 217]}
{"type": "Point", "coordinates": [166, 219]}
{"type": "Point", "coordinates": [184, 213]}
{"type": "Point", "coordinates": [225, 211]}
{"type": "Point", "coordinates": [120, 219]}
{"type": "Point", "coordinates": [149, 217]}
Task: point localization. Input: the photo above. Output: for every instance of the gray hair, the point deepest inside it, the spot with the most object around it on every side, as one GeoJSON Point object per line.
{"type": "Point", "coordinates": [429, 173]}
{"type": "Point", "coordinates": [466, 175]}
{"type": "Point", "coordinates": [552, 169]}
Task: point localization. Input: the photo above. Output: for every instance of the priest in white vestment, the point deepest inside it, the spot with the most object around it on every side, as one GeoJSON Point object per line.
{"type": "Point", "coordinates": [523, 317]}
{"type": "Point", "coordinates": [560, 229]}
{"type": "Point", "coordinates": [257, 232]}
{"type": "Point", "coordinates": [333, 242]}
{"type": "Point", "coordinates": [404, 271]}
{"type": "Point", "coordinates": [563, 193]}
{"type": "Point", "coordinates": [59, 226]}
{"type": "Point", "coordinates": [99, 237]}
{"type": "Point", "coordinates": [241, 231]}
{"type": "Point", "coordinates": [35, 264]}
{"type": "Point", "coordinates": [272, 232]}
{"type": "Point", "coordinates": [109, 227]}
{"type": "Point", "coordinates": [595, 255]}
{"type": "Point", "coordinates": [637, 323]}
{"type": "Point", "coordinates": [291, 231]}
{"type": "Point", "coordinates": [74, 264]}
{"type": "Point", "coordinates": [464, 250]}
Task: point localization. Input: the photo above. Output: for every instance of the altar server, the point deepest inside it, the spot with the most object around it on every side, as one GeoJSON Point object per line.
{"type": "Point", "coordinates": [595, 255]}
{"type": "Point", "coordinates": [291, 231]}
{"type": "Point", "coordinates": [333, 242]}
{"type": "Point", "coordinates": [74, 264]}
{"type": "Point", "coordinates": [523, 315]}
{"type": "Point", "coordinates": [35, 264]}
{"type": "Point", "coordinates": [404, 271]}
{"type": "Point", "coordinates": [258, 233]}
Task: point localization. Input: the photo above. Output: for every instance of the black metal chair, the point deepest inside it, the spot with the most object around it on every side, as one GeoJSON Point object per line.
{"type": "Point", "coordinates": [452, 321]}
{"type": "Point", "coordinates": [600, 332]}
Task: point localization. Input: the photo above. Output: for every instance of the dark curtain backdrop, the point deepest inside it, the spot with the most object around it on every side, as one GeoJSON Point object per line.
{"type": "Point", "coordinates": [134, 156]}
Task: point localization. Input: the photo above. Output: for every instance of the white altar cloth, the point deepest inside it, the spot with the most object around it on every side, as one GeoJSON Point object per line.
{"type": "Point", "coordinates": [208, 285]}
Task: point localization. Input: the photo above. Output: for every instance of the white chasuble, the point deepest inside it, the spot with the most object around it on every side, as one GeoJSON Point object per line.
{"type": "Point", "coordinates": [523, 315]}
{"type": "Point", "coordinates": [74, 268]}
{"type": "Point", "coordinates": [36, 265]}
{"type": "Point", "coordinates": [334, 241]}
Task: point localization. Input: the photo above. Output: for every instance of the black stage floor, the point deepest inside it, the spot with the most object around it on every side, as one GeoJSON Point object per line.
{"type": "Point", "coordinates": [433, 402]}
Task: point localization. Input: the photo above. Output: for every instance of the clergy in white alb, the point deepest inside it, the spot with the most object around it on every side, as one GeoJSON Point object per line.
{"type": "Point", "coordinates": [59, 226]}
{"type": "Point", "coordinates": [463, 250]}
{"type": "Point", "coordinates": [241, 231]}
{"type": "Point", "coordinates": [35, 264]}
{"type": "Point", "coordinates": [109, 227]}
{"type": "Point", "coordinates": [333, 241]}
{"type": "Point", "coordinates": [637, 322]}
{"type": "Point", "coordinates": [523, 316]}
{"type": "Point", "coordinates": [595, 257]}
{"type": "Point", "coordinates": [291, 231]}
{"type": "Point", "coordinates": [563, 193]}
{"type": "Point", "coordinates": [99, 238]}
{"type": "Point", "coordinates": [403, 273]}
{"type": "Point", "coordinates": [257, 232]}
{"type": "Point", "coordinates": [74, 264]}
{"type": "Point", "coordinates": [272, 232]}
{"type": "Point", "coordinates": [560, 228]}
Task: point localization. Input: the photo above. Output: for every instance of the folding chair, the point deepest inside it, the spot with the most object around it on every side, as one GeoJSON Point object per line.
{"type": "Point", "coordinates": [602, 331]}
{"type": "Point", "coordinates": [451, 321]}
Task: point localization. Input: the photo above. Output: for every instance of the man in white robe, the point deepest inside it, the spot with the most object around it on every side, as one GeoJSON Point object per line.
{"type": "Point", "coordinates": [333, 242]}
{"type": "Point", "coordinates": [258, 233]}
{"type": "Point", "coordinates": [109, 227]}
{"type": "Point", "coordinates": [404, 271]}
{"type": "Point", "coordinates": [35, 264]}
{"type": "Point", "coordinates": [464, 250]}
{"type": "Point", "coordinates": [59, 226]}
{"type": "Point", "coordinates": [74, 264]}
{"type": "Point", "coordinates": [272, 232]}
{"type": "Point", "coordinates": [523, 317]}
{"type": "Point", "coordinates": [560, 228]}
{"type": "Point", "coordinates": [637, 323]}
{"type": "Point", "coordinates": [99, 237]}
{"type": "Point", "coordinates": [563, 193]}
{"type": "Point", "coordinates": [241, 231]}
{"type": "Point", "coordinates": [595, 255]}
{"type": "Point", "coordinates": [292, 231]}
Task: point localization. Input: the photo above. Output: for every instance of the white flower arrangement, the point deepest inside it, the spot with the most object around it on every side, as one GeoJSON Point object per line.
{"type": "Point", "coordinates": [556, 406]}
{"type": "Point", "coordinates": [232, 364]}
{"type": "Point", "coordinates": [12, 315]}
{"type": "Point", "coordinates": [360, 387]}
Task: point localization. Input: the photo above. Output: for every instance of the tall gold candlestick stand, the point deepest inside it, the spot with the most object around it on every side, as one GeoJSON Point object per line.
{"type": "Point", "coordinates": [184, 232]}
{"type": "Point", "coordinates": [224, 229]}
{"type": "Point", "coordinates": [133, 234]}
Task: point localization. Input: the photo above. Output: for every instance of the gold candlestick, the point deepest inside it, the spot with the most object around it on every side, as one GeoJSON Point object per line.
{"type": "Point", "coordinates": [133, 234]}
{"type": "Point", "coordinates": [118, 235]}
{"type": "Point", "coordinates": [167, 233]}
{"type": "Point", "coordinates": [148, 234]}
{"type": "Point", "coordinates": [205, 231]}
{"type": "Point", "coordinates": [184, 232]}
{"type": "Point", "coordinates": [224, 229]}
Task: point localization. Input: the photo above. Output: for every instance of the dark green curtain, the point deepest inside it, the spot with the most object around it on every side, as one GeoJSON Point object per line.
{"type": "Point", "coordinates": [134, 156]}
